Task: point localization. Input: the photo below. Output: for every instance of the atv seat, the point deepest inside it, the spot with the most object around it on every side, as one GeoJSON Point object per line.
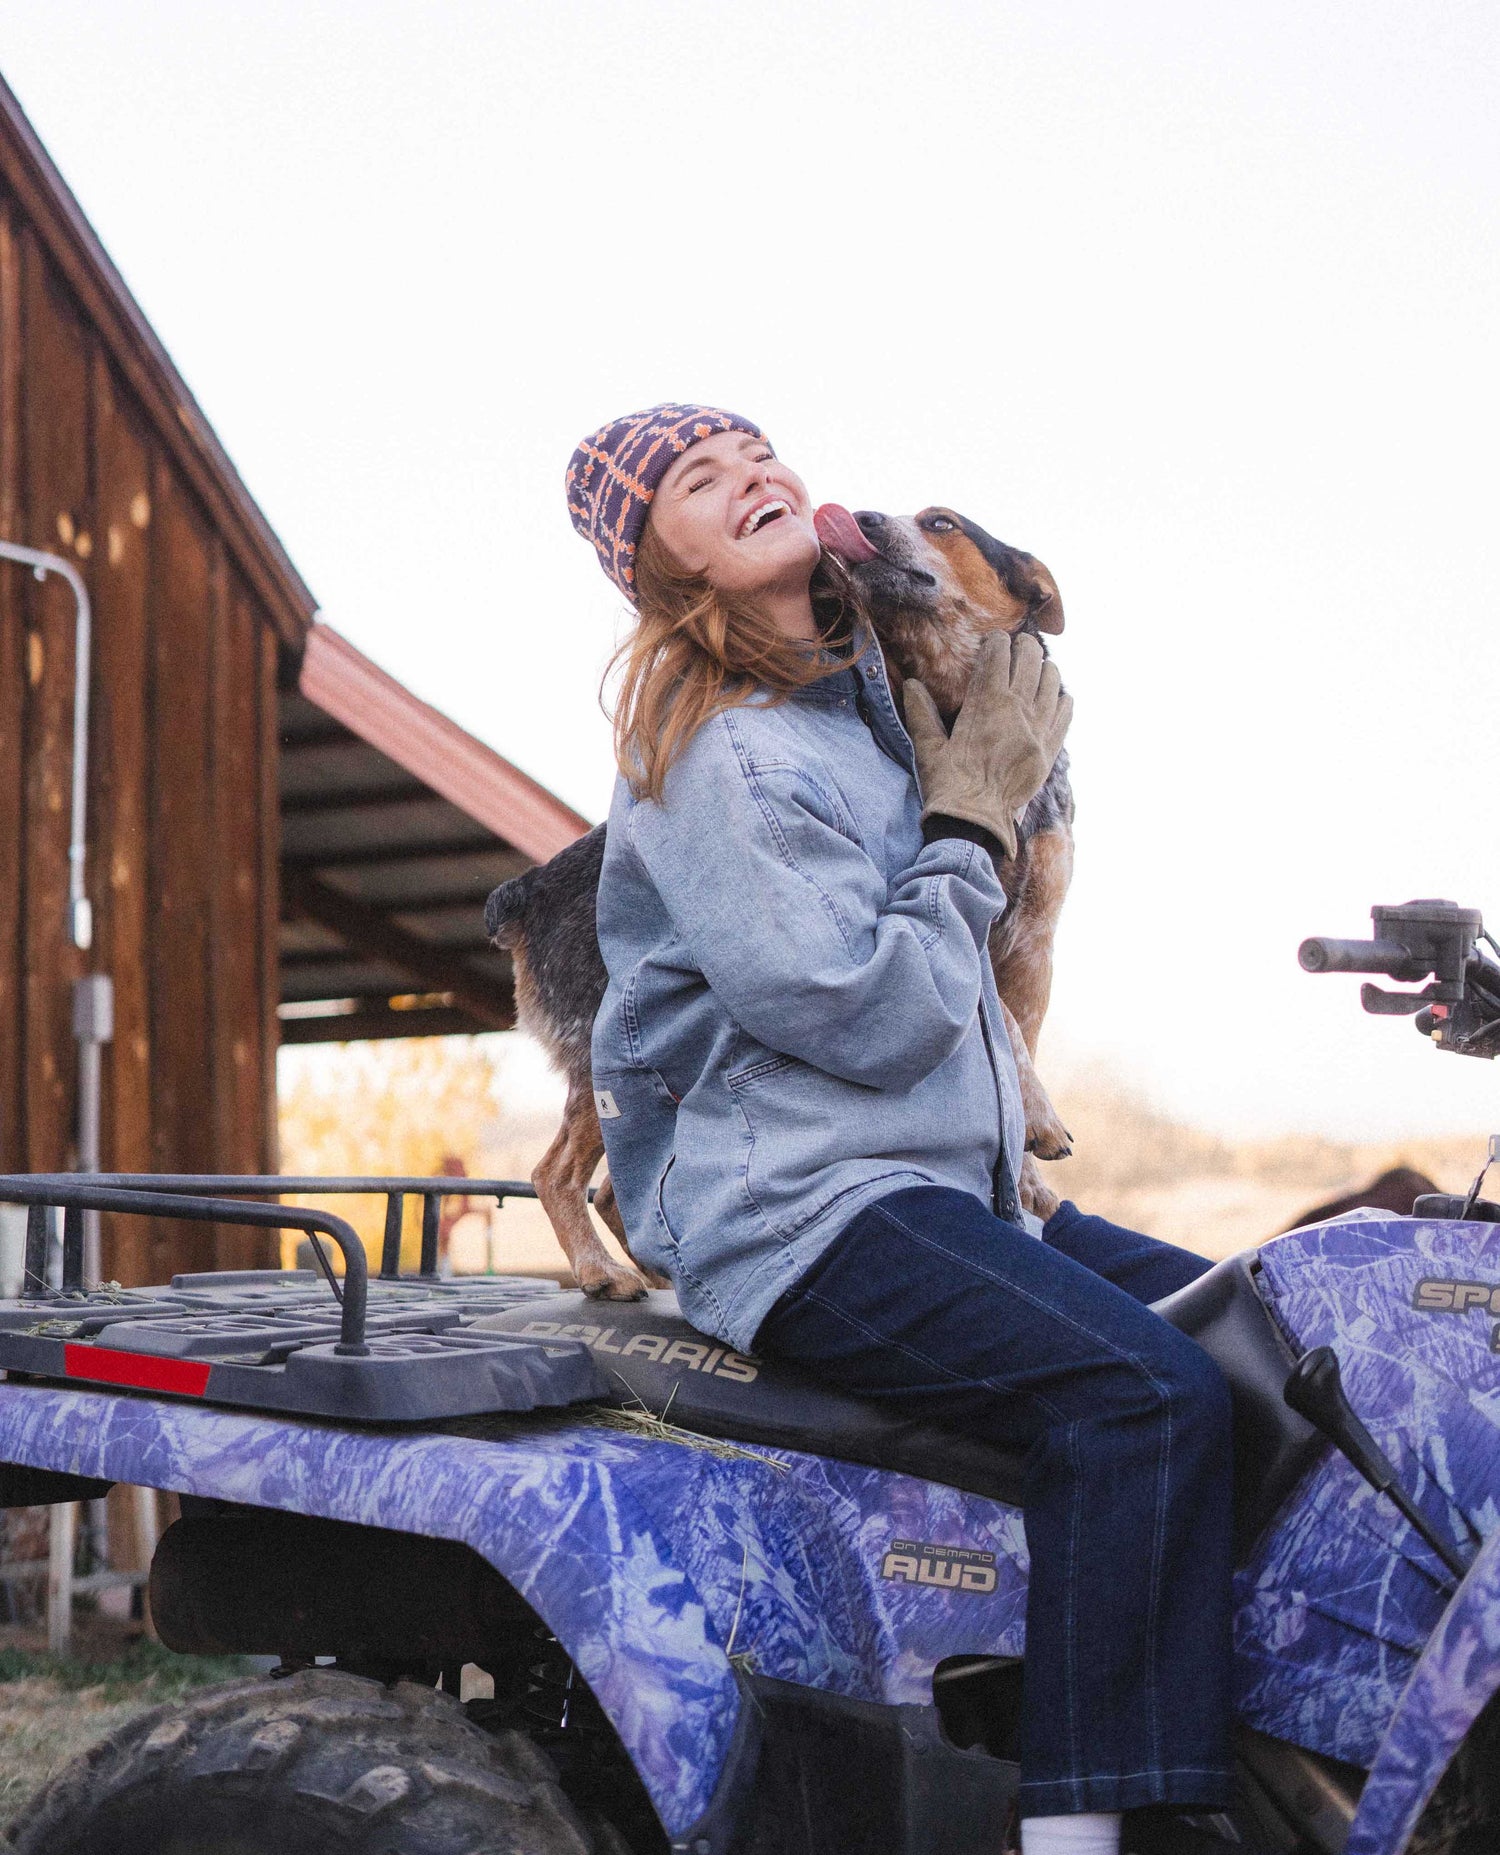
{"type": "Point", "coordinates": [1273, 1447]}
{"type": "Point", "coordinates": [656, 1358]}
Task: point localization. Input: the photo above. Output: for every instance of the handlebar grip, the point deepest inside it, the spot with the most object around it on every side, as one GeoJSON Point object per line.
{"type": "Point", "coordinates": [1321, 955]}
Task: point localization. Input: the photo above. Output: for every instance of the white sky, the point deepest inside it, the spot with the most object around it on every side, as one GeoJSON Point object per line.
{"type": "Point", "coordinates": [1197, 302]}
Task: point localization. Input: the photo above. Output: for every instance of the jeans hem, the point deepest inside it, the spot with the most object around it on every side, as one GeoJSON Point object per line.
{"type": "Point", "coordinates": [1203, 1790]}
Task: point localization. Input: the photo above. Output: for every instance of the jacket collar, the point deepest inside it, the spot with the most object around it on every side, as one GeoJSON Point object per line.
{"type": "Point", "coordinates": [869, 683]}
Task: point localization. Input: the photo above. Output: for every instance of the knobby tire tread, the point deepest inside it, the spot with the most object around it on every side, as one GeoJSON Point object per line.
{"type": "Point", "coordinates": [320, 1763]}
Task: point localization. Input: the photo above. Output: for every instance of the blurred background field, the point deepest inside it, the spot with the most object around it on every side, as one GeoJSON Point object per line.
{"type": "Point", "coordinates": [494, 1103]}
{"type": "Point", "coordinates": [1144, 1168]}
{"type": "Point", "coordinates": [491, 1102]}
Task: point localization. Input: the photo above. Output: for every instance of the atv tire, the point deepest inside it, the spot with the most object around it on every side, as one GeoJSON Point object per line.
{"type": "Point", "coordinates": [320, 1763]}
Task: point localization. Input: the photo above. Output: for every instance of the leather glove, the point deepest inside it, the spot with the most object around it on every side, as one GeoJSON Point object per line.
{"type": "Point", "coordinates": [1005, 737]}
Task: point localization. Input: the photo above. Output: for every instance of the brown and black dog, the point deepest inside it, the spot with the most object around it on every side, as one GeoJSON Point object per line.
{"type": "Point", "coordinates": [934, 584]}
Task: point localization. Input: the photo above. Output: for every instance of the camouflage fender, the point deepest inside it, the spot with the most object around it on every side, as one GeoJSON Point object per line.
{"type": "Point", "coordinates": [652, 1561]}
{"type": "Point", "coordinates": [1456, 1674]}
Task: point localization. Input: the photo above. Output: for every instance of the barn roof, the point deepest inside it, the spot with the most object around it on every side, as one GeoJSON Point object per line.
{"type": "Point", "coordinates": [396, 824]}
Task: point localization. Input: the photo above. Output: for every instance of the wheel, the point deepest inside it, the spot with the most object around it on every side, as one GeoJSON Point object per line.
{"type": "Point", "coordinates": [321, 1763]}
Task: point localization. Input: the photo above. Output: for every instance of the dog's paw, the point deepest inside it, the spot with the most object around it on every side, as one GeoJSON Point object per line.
{"type": "Point", "coordinates": [611, 1281]}
{"type": "Point", "coordinates": [1046, 1136]}
{"type": "Point", "coordinates": [1036, 1197]}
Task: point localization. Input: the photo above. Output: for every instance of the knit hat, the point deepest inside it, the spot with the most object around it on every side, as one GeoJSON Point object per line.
{"type": "Point", "coordinates": [614, 474]}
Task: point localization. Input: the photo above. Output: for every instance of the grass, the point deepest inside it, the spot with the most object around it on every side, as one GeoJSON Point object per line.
{"type": "Point", "coordinates": [52, 1708]}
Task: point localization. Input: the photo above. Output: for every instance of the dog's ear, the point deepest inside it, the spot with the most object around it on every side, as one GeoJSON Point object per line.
{"type": "Point", "coordinates": [1023, 577]}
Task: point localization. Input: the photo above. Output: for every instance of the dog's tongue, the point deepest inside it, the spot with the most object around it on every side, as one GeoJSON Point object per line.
{"type": "Point", "coordinates": [842, 535]}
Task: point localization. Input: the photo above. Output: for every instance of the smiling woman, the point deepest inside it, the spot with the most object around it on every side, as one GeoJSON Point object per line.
{"type": "Point", "coordinates": [734, 591]}
{"type": "Point", "coordinates": [810, 1104]}
{"type": "Point", "coordinates": [731, 511]}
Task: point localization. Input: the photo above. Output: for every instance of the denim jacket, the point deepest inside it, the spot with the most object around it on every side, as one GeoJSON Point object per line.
{"type": "Point", "coordinates": [801, 1015]}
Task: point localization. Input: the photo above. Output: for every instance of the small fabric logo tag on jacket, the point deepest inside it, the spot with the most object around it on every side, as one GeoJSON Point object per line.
{"type": "Point", "coordinates": [604, 1105]}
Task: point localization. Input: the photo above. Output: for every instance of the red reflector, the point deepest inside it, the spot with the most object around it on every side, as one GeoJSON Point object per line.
{"type": "Point", "coordinates": [144, 1370]}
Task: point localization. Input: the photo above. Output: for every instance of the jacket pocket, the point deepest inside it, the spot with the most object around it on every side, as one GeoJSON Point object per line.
{"type": "Point", "coordinates": [663, 1225]}
{"type": "Point", "coordinates": [796, 1123]}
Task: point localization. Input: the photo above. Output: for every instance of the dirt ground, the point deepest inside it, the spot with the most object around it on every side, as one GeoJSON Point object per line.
{"type": "Point", "coordinates": [52, 1710]}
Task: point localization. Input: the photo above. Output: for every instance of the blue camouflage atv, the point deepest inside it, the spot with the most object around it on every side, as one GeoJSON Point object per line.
{"type": "Point", "coordinates": [549, 1577]}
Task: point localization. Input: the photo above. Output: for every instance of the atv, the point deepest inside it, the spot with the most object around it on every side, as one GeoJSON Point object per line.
{"type": "Point", "coordinates": [547, 1576]}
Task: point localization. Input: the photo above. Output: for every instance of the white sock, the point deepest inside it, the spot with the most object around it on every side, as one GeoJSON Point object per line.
{"type": "Point", "coordinates": [1096, 1832]}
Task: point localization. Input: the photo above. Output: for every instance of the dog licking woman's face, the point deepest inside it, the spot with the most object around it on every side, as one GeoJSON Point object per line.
{"type": "Point", "coordinates": [730, 510]}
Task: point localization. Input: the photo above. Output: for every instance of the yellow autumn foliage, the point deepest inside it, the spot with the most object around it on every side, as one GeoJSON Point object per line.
{"type": "Point", "coordinates": [398, 1107]}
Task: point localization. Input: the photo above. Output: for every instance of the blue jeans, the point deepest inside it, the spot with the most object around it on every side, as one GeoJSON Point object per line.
{"type": "Point", "coordinates": [928, 1299]}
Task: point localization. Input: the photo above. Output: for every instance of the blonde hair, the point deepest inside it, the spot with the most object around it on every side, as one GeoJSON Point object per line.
{"type": "Point", "coordinates": [696, 651]}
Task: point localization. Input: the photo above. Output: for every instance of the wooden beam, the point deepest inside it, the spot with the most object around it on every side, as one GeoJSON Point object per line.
{"type": "Point", "coordinates": [380, 1021]}
{"type": "Point", "coordinates": [369, 931]}
{"type": "Point", "coordinates": [120, 798]}
{"type": "Point", "coordinates": [14, 607]}
{"type": "Point", "coordinates": [296, 860]}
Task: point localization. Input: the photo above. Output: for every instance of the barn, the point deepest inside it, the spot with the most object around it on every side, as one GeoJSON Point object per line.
{"type": "Point", "coordinates": [280, 841]}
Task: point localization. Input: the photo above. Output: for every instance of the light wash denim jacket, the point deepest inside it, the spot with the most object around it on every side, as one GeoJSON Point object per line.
{"type": "Point", "coordinates": [801, 1015]}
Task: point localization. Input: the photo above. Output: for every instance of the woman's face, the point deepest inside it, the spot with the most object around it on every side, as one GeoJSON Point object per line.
{"type": "Point", "coordinates": [729, 509]}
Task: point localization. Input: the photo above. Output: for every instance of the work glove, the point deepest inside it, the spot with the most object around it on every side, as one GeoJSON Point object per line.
{"type": "Point", "coordinates": [1005, 737]}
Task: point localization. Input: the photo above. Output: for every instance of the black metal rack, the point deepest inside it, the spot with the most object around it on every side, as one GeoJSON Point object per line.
{"type": "Point", "coordinates": [265, 1338]}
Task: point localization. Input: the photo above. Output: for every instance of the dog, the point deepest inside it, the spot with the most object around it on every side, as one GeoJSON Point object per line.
{"type": "Point", "coordinates": [934, 584]}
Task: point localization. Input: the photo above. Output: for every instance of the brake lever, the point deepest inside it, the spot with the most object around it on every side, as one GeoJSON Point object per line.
{"type": "Point", "coordinates": [1382, 1004]}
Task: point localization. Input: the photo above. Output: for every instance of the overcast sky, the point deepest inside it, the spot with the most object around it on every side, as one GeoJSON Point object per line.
{"type": "Point", "coordinates": [1198, 302]}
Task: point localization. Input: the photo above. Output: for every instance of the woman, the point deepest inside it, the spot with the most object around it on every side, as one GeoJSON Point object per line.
{"type": "Point", "coordinates": [811, 1110]}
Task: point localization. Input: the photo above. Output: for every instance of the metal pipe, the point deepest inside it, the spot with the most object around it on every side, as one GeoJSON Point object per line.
{"type": "Point", "coordinates": [445, 1185]}
{"type": "Point", "coordinates": [93, 1026]}
{"type": "Point", "coordinates": [91, 996]}
{"type": "Point", "coordinates": [80, 915]}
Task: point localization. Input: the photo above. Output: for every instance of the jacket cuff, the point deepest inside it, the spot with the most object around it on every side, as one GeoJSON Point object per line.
{"type": "Point", "coordinates": [939, 824]}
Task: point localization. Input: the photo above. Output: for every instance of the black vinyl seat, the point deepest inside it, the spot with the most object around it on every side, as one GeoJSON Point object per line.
{"type": "Point", "coordinates": [660, 1361]}
{"type": "Point", "coordinates": [1273, 1447]}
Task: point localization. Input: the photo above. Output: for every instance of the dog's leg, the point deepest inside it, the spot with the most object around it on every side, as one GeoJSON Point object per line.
{"type": "Point", "coordinates": [1045, 1134]}
{"type": "Point", "coordinates": [608, 1207]}
{"type": "Point", "coordinates": [1036, 1196]}
{"type": "Point", "coordinates": [1024, 971]}
{"type": "Point", "coordinates": [561, 1180]}
{"type": "Point", "coordinates": [1023, 978]}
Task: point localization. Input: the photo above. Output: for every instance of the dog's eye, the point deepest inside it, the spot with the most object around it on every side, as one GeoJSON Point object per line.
{"type": "Point", "coordinates": [938, 524]}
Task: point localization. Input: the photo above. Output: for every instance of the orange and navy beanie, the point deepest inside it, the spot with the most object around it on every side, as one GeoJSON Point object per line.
{"type": "Point", "coordinates": [613, 475]}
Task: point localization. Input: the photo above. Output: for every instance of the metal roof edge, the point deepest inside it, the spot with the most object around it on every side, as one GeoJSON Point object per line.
{"type": "Point", "coordinates": [39, 189]}
{"type": "Point", "coordinates": [344, 683]}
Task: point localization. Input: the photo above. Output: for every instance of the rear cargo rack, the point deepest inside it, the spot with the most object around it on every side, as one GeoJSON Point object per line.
{"type": "Point", "coordinates": [389, 1349]}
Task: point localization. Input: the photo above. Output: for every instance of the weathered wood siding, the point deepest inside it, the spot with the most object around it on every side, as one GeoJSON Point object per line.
{"type": "Point", "coordinates": [182, 866]}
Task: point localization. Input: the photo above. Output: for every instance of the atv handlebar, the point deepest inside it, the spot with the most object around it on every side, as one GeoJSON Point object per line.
{"type": "Point", "coordinates": [1437, 941]}
{"type": "Point", "coordinates": [1319, 954]}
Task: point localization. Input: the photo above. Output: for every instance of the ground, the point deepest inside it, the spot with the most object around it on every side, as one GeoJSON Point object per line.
{"type": "Point", "coordinates": [52, 1710]}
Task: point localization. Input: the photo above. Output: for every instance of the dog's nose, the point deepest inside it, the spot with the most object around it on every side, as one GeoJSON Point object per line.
{"type": "Point", "coordinates": [871, 520]}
